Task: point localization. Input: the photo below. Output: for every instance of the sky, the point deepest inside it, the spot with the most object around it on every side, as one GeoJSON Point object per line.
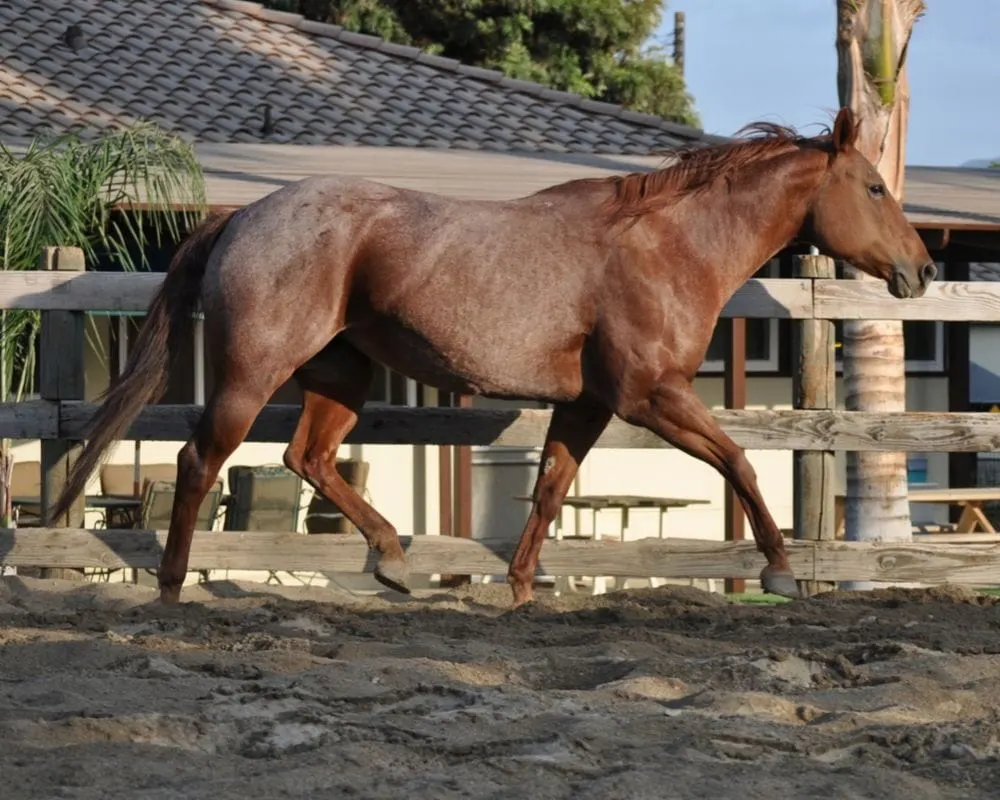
{"type": "Point", "coordinates": [775, 60]}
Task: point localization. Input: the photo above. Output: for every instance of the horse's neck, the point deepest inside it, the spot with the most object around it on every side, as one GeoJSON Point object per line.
{"type": "Point", "coordinates": [760, 213]}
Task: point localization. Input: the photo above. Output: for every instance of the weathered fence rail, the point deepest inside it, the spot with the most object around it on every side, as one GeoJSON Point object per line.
{"type": "Point", "coordinates": [764, 298]}
{"type": "Point", "coordinates": [428, 555]}
{"type": "Point", "coordinates": [817, 429]}
{"type": "Point", "coordinates": [61, 417]}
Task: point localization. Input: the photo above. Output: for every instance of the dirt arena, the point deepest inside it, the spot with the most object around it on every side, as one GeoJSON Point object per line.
{"type": "Point", "coordinates": [254, 691]}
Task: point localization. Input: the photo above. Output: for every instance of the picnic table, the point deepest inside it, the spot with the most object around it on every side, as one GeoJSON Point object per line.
{"type": "Point", "coordinates": [970, 499]}
{"type": "Point", "coordinates": [625, 504]}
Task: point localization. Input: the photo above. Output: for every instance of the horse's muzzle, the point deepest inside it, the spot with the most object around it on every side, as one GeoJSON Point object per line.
{"type": "Point", "coordinates": [905, 283]}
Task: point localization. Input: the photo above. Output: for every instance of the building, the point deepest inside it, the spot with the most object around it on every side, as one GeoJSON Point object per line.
{"type": "Point", "coordinates": [269, 98]}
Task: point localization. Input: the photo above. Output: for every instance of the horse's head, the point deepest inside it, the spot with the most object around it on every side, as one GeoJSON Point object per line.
{"type": "Point", "coordinates": [853, 217]}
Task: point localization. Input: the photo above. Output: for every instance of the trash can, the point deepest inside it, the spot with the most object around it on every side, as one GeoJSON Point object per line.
{"type": "Point", "coordinates": [498, 474]}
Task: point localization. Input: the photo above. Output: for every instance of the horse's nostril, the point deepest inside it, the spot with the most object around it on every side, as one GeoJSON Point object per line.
{"type": "Point", "coordinates": [928, 273]}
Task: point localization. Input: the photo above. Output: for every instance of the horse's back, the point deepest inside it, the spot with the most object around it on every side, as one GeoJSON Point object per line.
{"type": "Point", "coordinates": [291, 228]}
{"type": "Point", "coordinates": [490, 297]}
{"type": "Point", "coordinates": [496, 297]}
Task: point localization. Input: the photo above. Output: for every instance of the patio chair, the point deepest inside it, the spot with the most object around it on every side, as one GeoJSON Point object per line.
{"type": "Point", "coordinates": [263, 498]}
{"type": "Point", "coordinates": [117, 479]}
{"type": "Point", "coordinates": [158, 502]}
{"type": "Point", "coordinates": [322, 516]}
{"type": "Point", "coordinates": [26, 481]}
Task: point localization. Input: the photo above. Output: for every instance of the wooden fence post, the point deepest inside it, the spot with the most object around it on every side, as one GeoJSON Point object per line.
{"type": "Point", "coordinates": [814, 386]}
{"type": "Point", "coordinates": [60, 361]}
{"type": "Point", "coordinates": [735, 391]}
{"type": "Point", "coordinates": [962, 466]}
{"type": "Point", "coordinates": [461, 518]}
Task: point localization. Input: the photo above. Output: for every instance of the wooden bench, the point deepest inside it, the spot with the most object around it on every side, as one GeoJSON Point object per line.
{"type": "Point", "coordinates": [970, 499]}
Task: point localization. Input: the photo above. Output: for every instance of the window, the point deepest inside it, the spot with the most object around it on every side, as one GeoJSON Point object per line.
{"type": "Point", "coordinates": [923, 341]}
{"type": "Point", "coordinates": [768, 341]}
{"type": "Point", "coordinates": [123, 332]}
{"type": "Point", "coordinates": [762, 338]}
{"type": "Point", "coordinates": [190, 379]}
{"type": "Point", "coordinates": [120, 333]}
{"type": "Point", "coordinates": [389, 388]}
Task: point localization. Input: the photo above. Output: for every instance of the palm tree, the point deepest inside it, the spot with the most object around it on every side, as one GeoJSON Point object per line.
{"type": "Point", "coordinates": [872, 39]}
{"type": "Point", "coordinates": [69, 192]}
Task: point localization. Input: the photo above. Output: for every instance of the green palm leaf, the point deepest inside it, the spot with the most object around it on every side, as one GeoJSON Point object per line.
{"type": "Point", "coordinates": [62, 191]}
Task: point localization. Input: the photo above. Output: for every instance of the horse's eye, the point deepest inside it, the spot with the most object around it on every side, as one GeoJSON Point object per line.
{"type": "Point", "coordinates": [876, 190]}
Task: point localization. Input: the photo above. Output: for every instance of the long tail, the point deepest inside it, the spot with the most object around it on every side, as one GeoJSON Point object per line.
{"type": "Point", "coordinates": [145, 377]}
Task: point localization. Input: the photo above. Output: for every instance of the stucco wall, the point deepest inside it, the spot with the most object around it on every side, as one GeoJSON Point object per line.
{"type": "Point", "coordinates": [403, 481]}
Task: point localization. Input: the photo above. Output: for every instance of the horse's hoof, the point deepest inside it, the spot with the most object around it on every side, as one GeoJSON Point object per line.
{"type": "Point", "coordinates": [522, 594]}
{"type": "Point", "coordinates": [394, 574]}
{"type": "Point", "coordinates": [780, 583]}
{"type": "Point", "coordinates": [170, 595]}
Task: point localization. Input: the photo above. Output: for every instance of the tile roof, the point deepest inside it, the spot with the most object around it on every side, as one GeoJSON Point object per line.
{"type": "Point", "coordinates": [205, 68]}
{"type": "Point", "coordinates": [953, 196]}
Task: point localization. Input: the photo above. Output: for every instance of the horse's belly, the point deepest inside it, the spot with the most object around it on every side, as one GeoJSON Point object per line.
{"type": "Point", "coordinates": [466, 364]}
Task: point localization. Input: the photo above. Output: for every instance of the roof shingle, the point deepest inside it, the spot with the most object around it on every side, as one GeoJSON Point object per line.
{"type": "Point", "coordinates": [205, 68]}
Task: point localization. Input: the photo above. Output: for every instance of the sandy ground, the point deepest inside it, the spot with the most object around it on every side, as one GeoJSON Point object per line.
{"type": "Point", "coordinates": [252, 691]}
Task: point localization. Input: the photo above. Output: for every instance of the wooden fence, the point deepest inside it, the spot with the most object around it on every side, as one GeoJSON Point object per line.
{"type": "Point", "coordinates": [428, 555]}
{"type": "Point", "coordinates": [64, 293]}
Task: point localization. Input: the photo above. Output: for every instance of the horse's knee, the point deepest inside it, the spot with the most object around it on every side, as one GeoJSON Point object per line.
{"type": "Point", "coordinates": [548, 490]}
{"type": "Point", "coordinates": [305, 462]}
{"type": "Point", "coordinates": [191, 469]}
{"type": "Point", "coordinates": [317, 469]}
{"type": "Point", "coordinates": [741, 469]}
{"type": "Point", "coordinates": [187, 456]}
{"type": "Point", "coordinates": [548, 501]}
{"type": "Point", "coordinates": [294, 460]}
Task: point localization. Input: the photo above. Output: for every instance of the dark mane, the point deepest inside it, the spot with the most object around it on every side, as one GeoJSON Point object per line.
{"type": "Point", "coordinates": [696, 166]}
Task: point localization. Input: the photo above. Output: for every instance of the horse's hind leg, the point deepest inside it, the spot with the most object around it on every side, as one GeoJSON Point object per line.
{"type": "Point", "coordinates": [335, 386]}
{"type": "Point", "coordinates": [676, 413]}
{"type": "Point", "coordinates": [572, 432]}
{"type": "Point", "coordinates": [228, 416]}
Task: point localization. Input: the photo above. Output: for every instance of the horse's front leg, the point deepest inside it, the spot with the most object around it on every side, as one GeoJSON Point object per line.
{"type": "Point", "coordinates": [674, 412]}
{"type": "Point", "coordinates": [574, 429]}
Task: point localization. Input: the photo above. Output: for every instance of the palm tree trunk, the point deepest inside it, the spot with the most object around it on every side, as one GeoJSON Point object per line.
{"type": "Point", "coordinates": [872, 39]}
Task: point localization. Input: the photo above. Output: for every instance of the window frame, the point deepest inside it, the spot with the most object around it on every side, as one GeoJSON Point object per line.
{"type": "Point", "coordinates": [771, 364]}
{"type": "Point", "coordinates": [911, 366]}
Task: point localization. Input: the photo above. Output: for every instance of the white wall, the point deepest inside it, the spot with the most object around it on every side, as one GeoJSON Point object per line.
{"type": "Point", "coordinates": [666, 472]}
{"type": "Point", "coordinates": [671, 473]}
{"type": "Point", "coordinates": [984, 355]}
{"type": "Point", "coordinates": [391, 483]}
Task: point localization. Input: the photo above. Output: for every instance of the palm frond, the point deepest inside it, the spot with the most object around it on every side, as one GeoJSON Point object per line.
{"type": "Point", "coordinates": [62, 191]}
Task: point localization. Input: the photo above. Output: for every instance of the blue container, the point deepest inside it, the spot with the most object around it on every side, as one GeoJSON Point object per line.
{"type": "Point", "coordinates": [916, 469]}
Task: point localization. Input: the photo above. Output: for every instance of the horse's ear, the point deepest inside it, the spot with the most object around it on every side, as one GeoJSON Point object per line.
{"type": "Point", "coordinates": [845, 130]}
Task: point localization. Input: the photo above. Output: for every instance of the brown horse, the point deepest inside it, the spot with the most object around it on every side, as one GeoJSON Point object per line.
{"type": "Point", "coordinates": [598, 296]}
